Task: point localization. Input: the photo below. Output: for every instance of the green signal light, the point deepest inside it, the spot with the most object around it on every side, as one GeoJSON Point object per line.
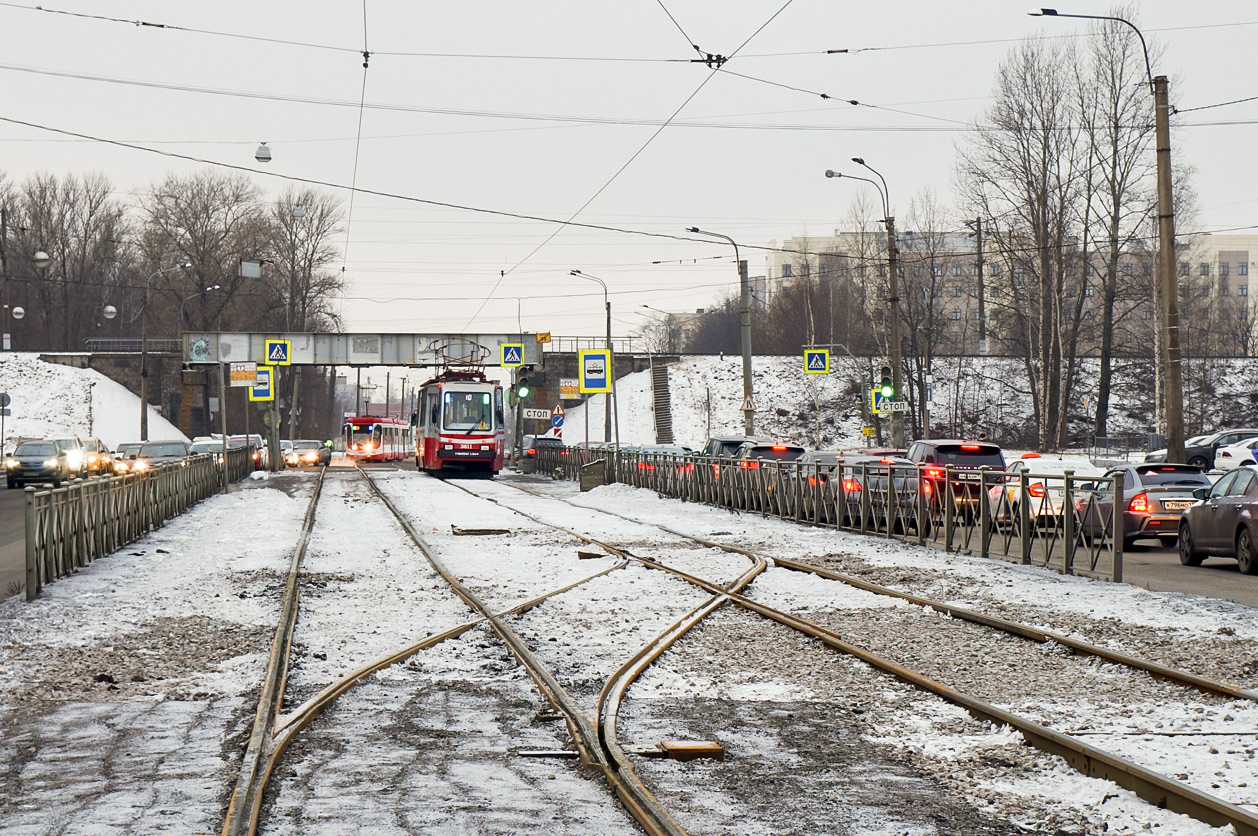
{"type": "Point", "coordinates": [888, 391]}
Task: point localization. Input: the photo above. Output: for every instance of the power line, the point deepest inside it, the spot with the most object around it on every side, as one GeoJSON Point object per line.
{"type": "Point", "coordinates": [618, 172]}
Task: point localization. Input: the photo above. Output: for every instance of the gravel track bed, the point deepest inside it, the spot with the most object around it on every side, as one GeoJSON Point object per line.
{"type": "Point", "coordinates": [811, 731]}
{"type": "Point", "coordinates": [431, 746]}
{"type": "Point", "coordinates": [1225, 657]}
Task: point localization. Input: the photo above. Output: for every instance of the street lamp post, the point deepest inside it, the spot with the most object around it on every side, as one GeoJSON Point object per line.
{"type": "Point", "coordinates": [144, 349]}
{"type": "Point", "coordinates": [744, 315]}
{"type": "Point", "coordinates": [611, 354]}
{"type": "Point", "coordinates": [1172, 357]}
{"type": "Point", "coordinates": [186, 301]}
{"type": "Point", "coordinates": [671, 325]}
{"type": "Point", "coordinates": [893, 297]}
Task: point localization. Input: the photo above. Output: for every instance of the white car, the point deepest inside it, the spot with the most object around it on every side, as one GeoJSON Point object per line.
{"type": "Point", "coordinates": [1046, 485]}
{"type": "Point", "coordinates": [1240, 454]}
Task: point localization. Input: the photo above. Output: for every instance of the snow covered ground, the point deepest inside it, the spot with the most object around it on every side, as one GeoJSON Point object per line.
{"type": "Point", "coordinates": [49, 400]}
{"type": "Point", "coordinates": [125, 689]}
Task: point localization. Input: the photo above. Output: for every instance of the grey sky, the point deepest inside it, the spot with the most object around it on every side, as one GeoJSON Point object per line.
{"type": "Point", "coordinates": [542, 137]}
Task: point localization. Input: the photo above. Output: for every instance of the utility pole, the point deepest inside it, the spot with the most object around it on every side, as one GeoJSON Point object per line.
{"type": "Point", "coordinates": [7, 344]}
{"type": "Point", "coordinates": [893, 258]}
{"type": "Point", "coordinates": [744, 313]}
{"type": "Point", "coordinates": [1172, 356]}
{"type": "Point", "coordinates": [977, 224]}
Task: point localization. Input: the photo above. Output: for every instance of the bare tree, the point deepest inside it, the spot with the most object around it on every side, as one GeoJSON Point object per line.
{"type": "Point", "coordinates": [1116, 113]}
{"type": "Point", "coordinates": [1025, 171]}
{"type": "Point", "coordinates": [83, 229]}
{"type": "Point", "coordinates": [303, 222]}
{"type": "Point", "coordinates": [214, 221]}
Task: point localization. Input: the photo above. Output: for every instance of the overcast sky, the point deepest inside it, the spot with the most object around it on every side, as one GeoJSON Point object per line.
{"type": "Point", "coordinates": [554, 110]}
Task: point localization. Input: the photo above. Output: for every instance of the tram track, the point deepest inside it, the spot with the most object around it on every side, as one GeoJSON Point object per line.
{"type": "Point", "coordinates": [274, 732]}
{"type": "Point", "coordinates": [1155, 787]}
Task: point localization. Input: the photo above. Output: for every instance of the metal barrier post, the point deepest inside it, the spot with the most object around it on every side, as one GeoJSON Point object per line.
{"type": "Point", "coordinates": [985, 513]}
{"type": "Point", "coordinates": [1120, 528]}
{"type": "Point", "coordinates": [32, 568]}
{"type": "Point", "coordinates": [1068, 526]}
{"type": "Point", "coordinates": [950, 508]}
{"type": "Point", "coordinates": [1024, 518]}
{"type": "Point", "coordinates": [922, 506]}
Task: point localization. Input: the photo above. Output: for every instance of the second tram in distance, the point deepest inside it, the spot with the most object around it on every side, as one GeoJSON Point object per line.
{"type": "Point", "coordinates": [372, 438]}
{"type": "Point", "coordinates": [460, 427]}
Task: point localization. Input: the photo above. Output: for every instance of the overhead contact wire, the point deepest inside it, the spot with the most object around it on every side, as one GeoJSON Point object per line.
{"type": "Point", "coordinates": [503, 275]}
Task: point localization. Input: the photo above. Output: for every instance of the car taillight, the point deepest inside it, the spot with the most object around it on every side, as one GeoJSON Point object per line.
{"type": "Point", "coordinates": [778, 449]}
{"type": "Point", "coordinates": [1035, 489]}
{"type": "Point", "coordinates": [746, 465]}
{"type": "Point", "coordinates": [1139, 504]}
{"type": "Point", "coordinates": [1225, 454]}
{"type": "Point", "coordinates": [926, 489]}
{"type": "Point", "coordinates": [530, 452]}
{"type": "Point", "coordinates": [851, 485]}
{"type": "Point", "coordinates": [934, 473]}
{"type": "Point", "coordinates": [812, 481]}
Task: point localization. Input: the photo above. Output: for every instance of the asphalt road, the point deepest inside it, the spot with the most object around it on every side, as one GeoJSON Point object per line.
{"type": "Point", "coordinates": [12, 541]}
{"type": "Point", "coordinates": [1154, 568]}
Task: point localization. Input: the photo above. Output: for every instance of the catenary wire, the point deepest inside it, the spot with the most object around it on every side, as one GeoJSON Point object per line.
{"type": "Point", "coordinates": [636, 154]}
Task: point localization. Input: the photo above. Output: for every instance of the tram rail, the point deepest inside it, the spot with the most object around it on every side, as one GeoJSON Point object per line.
{"type": "Point", "coordinates": [1156, 788]}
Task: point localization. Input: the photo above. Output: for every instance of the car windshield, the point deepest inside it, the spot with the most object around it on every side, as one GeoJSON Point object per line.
{"type": "Point", "coordinates": [774, 452]}
{"type": "Point", "coordinates": [162, 450]}
{"type": "Point", "coordinates": [467, 411]}
{"type": "Point", "coordinates": [307, 445]}
{"type": "Point", "coordinates": [36, 448]}
{"type": "Point", "coordinates": [969, 455]}
{"type": "Point", "coordinates": [1173, 475]}
{"type": "Point", "coordinates": [202, 447]}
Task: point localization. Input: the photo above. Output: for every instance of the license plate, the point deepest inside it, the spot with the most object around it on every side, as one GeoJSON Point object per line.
{"type": "Point", "coordinates": [1177, 504]}
{"type": "Point", "coordinates": [968, 477]}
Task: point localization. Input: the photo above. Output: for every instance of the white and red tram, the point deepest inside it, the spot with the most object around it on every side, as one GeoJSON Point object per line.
{"type": "Point", "coordinates": [373, 438]}
{"type": "Point", "coordinates": [460, 426]}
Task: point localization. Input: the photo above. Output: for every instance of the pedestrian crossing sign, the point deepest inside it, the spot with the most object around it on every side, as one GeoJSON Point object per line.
{"type": "Point", "coordinates": [512, 355]}
{"type": "Point", "coordinates": [279, 352]}
{"type": "Point", "coordinates": [816, 361]}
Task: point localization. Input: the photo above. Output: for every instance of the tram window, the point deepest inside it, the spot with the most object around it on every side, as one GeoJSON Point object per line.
{"type": "Point", "coordinates": [498, 414]}
{"type": "Point", "coordinates": [467, 411]}
{"type": "Point", "coordinates": [431, 410]}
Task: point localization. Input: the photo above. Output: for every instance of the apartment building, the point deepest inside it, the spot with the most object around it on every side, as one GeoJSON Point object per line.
{"type": "Point", "coordinates": [969, 307]}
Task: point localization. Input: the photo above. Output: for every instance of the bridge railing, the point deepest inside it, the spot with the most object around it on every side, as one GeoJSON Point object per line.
{"type": "Point", "coordinates": [1058, 521]}
{"type": "Point", "coordinates": [69, 527]}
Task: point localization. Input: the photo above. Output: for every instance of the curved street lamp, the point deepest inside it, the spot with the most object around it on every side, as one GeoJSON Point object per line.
{"type": "Point", "coordinates": [611, 354]}
{"type": "Point", "coordinates": [144, 348]}
{"type": "Point", "coordinates": [744, 316]}
{"type": "Point", "coordinates": [186, 301]}
{"type": "Point", "coordinates": [1171, 354]}
{"type": "Point", "coordinates": [893, 292]}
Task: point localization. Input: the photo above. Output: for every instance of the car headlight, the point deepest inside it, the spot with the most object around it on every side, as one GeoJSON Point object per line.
{"type": "Point", "coordinates": [11, 462]}
{"type": "Point", "coordinates": [140, 465]}
{"type": "Point", "coordinates": [50, 462]}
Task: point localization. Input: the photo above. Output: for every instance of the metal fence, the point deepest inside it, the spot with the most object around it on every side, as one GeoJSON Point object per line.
{"type": "Point", "coordinates": [1058, 521]}
{"type": "Point", "coordinates": [69, 527]}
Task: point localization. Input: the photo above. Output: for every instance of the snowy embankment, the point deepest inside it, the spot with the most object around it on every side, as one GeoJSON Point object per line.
{"type": "Point", "coordinates": [48, 400]}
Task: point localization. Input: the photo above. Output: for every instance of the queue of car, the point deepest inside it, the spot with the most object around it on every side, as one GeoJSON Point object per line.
{"type": "Point", "coordinates": [1206, 511]}
{"type": "Point", "coordinates": [59, 460]}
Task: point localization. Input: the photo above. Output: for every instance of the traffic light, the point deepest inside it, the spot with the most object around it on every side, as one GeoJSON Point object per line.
{"type": "Point", "coordinates": [522, 388]}
{"type": "Point", "coordinates": [887, 386]}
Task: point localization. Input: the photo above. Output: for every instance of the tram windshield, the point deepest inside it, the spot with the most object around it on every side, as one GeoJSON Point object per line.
{"type": "Point", "coordinates": [467, 411]}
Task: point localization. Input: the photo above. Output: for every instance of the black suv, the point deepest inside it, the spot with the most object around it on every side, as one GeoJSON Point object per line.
{"type": "Point", "coordinates": [939, 456]}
